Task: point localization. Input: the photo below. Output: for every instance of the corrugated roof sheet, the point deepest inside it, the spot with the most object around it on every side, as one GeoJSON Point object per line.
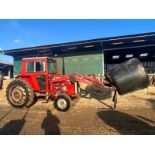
{"type": "Point", "coordinates": [98, 40]}
{"type": "Point", "coordinates": [6, 63]}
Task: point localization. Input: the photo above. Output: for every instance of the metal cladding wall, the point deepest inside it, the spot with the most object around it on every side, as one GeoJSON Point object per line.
{"type": "Point", "coordinates": [85, 63]}
{"type": "Point", "coordinates": [17, 66]}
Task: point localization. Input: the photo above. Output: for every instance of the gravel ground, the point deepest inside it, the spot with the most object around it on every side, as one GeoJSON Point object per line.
{"type": "Point", "coordinates": [89, 115]}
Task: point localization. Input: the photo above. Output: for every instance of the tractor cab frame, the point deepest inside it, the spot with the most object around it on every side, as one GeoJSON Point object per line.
{"type": "Point", "coordinates": [38, 72]}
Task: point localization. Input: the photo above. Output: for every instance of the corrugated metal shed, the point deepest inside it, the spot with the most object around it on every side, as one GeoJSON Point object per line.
{"type": "Point", "coordinates": [91, 56]}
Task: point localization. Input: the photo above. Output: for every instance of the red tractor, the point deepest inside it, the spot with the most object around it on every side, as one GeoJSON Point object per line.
{"type": "Point", "coordinates": [40, 77]}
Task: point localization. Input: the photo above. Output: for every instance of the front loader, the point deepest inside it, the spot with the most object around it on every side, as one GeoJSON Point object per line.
{"type": "Point", "coordinates": [40, 77]}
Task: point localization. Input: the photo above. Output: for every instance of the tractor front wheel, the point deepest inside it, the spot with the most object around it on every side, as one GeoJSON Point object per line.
{"type": "Point", "coordinates": [62, 102]}
{"type": "Point", "coordinates": [19, 94]}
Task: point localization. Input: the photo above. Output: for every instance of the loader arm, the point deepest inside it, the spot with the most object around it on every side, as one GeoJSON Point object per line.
{"type": "Point", "coordinates": [91, 81]}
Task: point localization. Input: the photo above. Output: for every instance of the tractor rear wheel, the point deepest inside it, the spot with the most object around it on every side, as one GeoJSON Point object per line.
{"type": "Point", "coordinates": [19, 94]}
{"type": "Point", "coordinates": [62, 102]}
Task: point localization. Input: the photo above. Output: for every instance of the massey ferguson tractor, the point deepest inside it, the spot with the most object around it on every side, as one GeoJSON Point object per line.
{"type": "Point", "coordinates": [40, 77]}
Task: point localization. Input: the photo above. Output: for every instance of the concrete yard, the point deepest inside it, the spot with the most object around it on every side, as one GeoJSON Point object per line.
{"type": "Point", "coordinates": [135, 114]}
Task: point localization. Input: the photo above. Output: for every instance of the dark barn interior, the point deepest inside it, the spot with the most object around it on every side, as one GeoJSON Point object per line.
{"type": "Point", "coordinates": [141, 47]}
{"type": "Point", "coordinates": [145, 55]}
